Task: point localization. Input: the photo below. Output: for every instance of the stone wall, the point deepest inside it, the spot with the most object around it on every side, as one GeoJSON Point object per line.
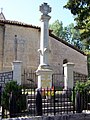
{"type": "Point", "coordinates": [77, 116]}
{"type": "Point", "coordinates": [28, 43]}
{"type": "Point", "coordinates": [60, 52]}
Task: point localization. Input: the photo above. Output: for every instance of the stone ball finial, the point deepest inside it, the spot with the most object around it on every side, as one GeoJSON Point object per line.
{"type": "Point", "coordinates": [45, 8]}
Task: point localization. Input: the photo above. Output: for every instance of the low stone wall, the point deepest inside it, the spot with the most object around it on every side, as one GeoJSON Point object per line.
{"type": "Point", "coordinates": [77, 116]}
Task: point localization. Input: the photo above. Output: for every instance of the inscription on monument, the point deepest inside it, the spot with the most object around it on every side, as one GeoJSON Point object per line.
{"type": "Point", "coordinates": [46, 81]}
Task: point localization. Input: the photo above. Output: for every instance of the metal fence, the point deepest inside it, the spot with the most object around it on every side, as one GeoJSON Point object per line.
{"type": "Point", "coordinates": [58, 80]}
{"type": "Point", "coordinates": [5, 77]}
{"type": "Point", "coordinates": [46, 102]}
{"type": "Point", "coordinates": [52, 101]}
{"type": "Point", "coordinates": [79, 77]}
{"type": "Point", "coordinates": [30, 79]}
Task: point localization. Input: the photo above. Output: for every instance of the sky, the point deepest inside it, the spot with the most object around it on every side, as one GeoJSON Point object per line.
{"type": "Point", "coordinates": [27, 11]}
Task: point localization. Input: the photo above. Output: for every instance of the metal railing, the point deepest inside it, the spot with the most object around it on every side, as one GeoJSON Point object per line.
{"type": "Point", "coordinates": [30, 79]}
{"type": "Point", "coordinates": [5, 77]}
{"type": "Point", "coordinates": [79, 77]}
{"type": "Point", "coordinates": [45, 102]}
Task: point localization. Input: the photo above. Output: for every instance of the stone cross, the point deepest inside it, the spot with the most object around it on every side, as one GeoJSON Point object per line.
{"type": "Point", "coordinates": [18, 47]}
{"type": "Point", "coordinates": [45, 9]}
{"type": "Point", "coordinates": [15, 47]}
{"type": "Point", "coordinates": [44, 70]}
{"type": "Point", "coordinates": [44, 41]}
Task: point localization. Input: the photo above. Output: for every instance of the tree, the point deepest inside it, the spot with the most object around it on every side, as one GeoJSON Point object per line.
{"type": "Point", "coordinates": [68, 33]}
{"type": "Point", "coordinates": [72, 35]}
{"type": "Point", "coordinates": [81, 10]}
{"type": "Point", "coordinates": [57, 28]}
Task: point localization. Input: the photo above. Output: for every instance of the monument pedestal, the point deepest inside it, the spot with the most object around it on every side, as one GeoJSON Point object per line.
{"type": "Point", "coordinates": [44, 71]}
{"type": "Point", "coordinates": [44, 77]}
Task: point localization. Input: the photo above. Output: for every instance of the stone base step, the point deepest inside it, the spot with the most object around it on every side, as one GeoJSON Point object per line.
{"type": "Point", "coordinates": [51, 110]}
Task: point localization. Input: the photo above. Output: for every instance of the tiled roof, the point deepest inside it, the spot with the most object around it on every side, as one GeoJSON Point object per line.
{"type": "Point", "coordinates": [66, 43]}
{"type": "Point", "coordinates": [18, 23]}
{"type": "Point", "coordinates": [36, 27]}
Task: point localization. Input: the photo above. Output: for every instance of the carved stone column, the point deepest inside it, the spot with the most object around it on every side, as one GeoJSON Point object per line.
{"type": "Point", "coordinates": [44, 71]}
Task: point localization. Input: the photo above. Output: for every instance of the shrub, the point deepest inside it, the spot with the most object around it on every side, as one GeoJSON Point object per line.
{"type": "Point", "coordinates": [82, 86]}
{"type": "Point", "coordinates": [81, 93]}
{"type": "Point", "coordinates": [12, 94]}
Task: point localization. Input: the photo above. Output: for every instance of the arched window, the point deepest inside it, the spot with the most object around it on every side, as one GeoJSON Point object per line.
{"type": "Point", "coordinates": [64, 62]}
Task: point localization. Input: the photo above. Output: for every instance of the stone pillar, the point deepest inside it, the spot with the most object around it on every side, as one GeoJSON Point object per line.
{"type": "Point", "coordinates": [44, 43]}
{"type": "Point", "coordinates": [16, 67]}
{"type": "Point", "coordinates": [44, 71]}
{"type": "Point", "coordinates": [44, 78]}
{"type": "Point", "coordinates": [68, 75]}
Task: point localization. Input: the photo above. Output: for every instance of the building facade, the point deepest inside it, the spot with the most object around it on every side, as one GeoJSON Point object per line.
{"type": "Point", "coordinates": [21, 41]}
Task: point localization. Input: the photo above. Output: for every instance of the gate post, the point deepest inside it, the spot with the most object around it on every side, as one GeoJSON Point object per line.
{"type": "Point", "coordinates": [68, 75]}
{"type": "Point", "coordinates": [16, 67]}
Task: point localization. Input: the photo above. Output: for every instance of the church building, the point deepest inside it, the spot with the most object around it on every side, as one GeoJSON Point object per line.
{"type": "Point", "coordinates": [21, 41]}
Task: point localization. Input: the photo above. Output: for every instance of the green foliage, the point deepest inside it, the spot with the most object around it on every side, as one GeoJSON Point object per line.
{"type": "Point", "coordinates": [68, 33]}
{"type": "Point", "coordinates": [57, 28]}
{"type": "Point", "coordinates": [82, 86]}
{"type": "Point", "coordinates": [16, 90]}
{"type": "Point", "coordinates": [79, 86]}
{"type": "Point", "coordinates": [87, 85]}
{"type": "Point", "coordinates": [81, 10]}
{"type": "Point", "coordinates": [81, 90]}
